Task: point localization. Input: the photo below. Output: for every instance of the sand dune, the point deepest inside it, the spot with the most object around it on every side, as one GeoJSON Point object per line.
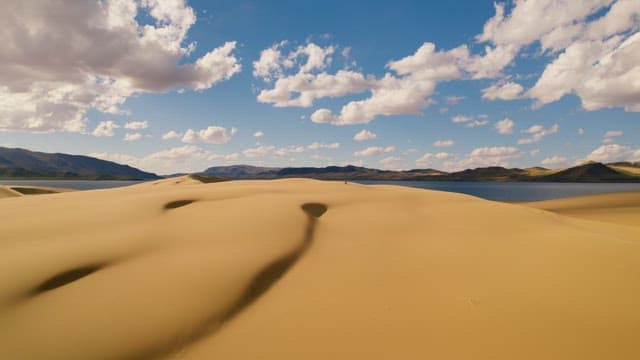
{"type": "Point", "coordinates": [13, 191]}
{"type": "Point", "coordinates": [6, 191]}
{"type": "Point", "coordinates": [304, 269]}
{"type": "Point", "coordinates": [619, 208]}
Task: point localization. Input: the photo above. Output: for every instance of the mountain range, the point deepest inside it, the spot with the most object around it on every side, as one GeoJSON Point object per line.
{"type": "Point", "coordinates": [588, 172]}
{"type": "Point", "coordinates": [26, 164]}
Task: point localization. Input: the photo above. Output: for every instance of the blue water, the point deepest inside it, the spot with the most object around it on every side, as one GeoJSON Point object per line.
{"type": "Point", "coordinates": [72, 184]}
{"type": "Point", "coordinates": [503, 191]}
{"type": "Point", "coordinates": [515, 191]}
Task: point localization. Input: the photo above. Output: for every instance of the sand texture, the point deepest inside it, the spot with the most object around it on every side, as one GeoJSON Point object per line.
{"type": "Point", "coordinates": [304, 269]}
{"type": "Point", "coordinates": [21, 190]}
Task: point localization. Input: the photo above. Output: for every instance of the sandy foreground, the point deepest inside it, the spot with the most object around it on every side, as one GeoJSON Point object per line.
{"type": "Point", "coordinates": [304, 269]}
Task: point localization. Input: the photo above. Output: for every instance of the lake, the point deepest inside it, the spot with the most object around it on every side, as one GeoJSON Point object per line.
{"type": "Point", "coordinates": [503, 191]}
{"type": "Point", "coordinates": [72, 184]}
{"type": "Point", "coordinates": [515, 191]}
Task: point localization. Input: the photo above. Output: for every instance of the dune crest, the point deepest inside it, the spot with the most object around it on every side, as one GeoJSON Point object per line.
{"type": "Point", "coordinates": [304, 269]}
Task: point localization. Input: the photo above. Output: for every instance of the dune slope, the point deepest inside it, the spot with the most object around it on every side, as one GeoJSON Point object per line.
{"type": "Point", "coordinates": [303, 269]}
{"type": "Point", "coordinates": [619, 208]}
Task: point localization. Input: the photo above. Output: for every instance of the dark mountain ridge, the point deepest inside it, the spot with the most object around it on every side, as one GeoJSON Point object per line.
{"type": "Point", "coordinates": [21, 163]}
{"type": "Point", "coordinates": [589, 172]}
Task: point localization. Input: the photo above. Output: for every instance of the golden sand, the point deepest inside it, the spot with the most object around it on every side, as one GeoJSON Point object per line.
{"type": "Point", "coordinates": [304, 269]}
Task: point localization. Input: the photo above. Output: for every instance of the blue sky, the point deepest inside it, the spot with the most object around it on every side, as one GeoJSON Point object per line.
{"type": "Point", "coordinates": [446, 85]}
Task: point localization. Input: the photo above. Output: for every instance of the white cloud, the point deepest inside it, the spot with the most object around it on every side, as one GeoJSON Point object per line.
{"type": "Point", "coordinates": [310, 87]}
{"type": "Point", "coordinates": [136, 125]}
{"type": "Point", "coordinates": [486, 156]}
{"type": "Point", "coordinates": [407, 92]}
{"type": "Point", "coordinates": [132, 136]}
{"type": "Point", "coordinates": [271, 63]}
{"type": "Point", "coordinates": [537, 132]}
{"type": "Point", "coordinates": [443, 143]}
{"type": "Point", "coordinates": [105, 129]}
{"type": "Point", "coordinates": [258, 134]}
{"type": "Point", "coordinates": [226, 157]}
{"type": "Point", "coordinates": [595, 46]}
{"type": "Point", "coordinates": [609, 135]}
{"type": "Point", "coordinates": [580, 131]}
{"type": "Point", "coordinates": [94, 55]}
{"type": "Point", "coordinates": [318, 146]}
{"type": "Point", "coordinates": [171, 135]}
{"type": "Point", "coordinates": [364, 135]}
{"type": "Point", "coordinates": [555, 161]}
{"type": "Point", "coordinates": [188, 158]}
{"type": "Point", "coordinates": [504, 126]}
{"type": "Point", "coordinates": [210, 135]}
{"type": "Point", "coordinates": [614, 152]}
{"type": "Point", "coordinates": [477, 123]}
{"type": "Point", "coordinates": [309, 82]}
{"type": "Point", "coordinates": [270, 150]}
{"type": "Point", "coordinates": [534, 152]}
{"type": "Point", "coordinates": [594, 51]}
{"type": "Point", "coordinates": [374, 151]}
{"type": "Point", "coordinates": [502, 91]}
{"type": "Point", "coordinates": [429, 159]}
{"type": "Point", "coordinates": [460, 119]}
{"type": "Point", "coordinates": [259, 151]}
{"type": "Point", "coordinates": [612, 133]}
{"type": "Point", "coordinates": [393, 163]}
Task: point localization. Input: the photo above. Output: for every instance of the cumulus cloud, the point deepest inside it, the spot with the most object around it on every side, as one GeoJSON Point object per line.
{"type": "Point", "coordinates": [502, 91]}
{"type": "Point", "coordinates": [374, 151]}
{"type": "Point", "coordinates": [580, 131]}
{"type": "Point", "coordinates": [364, 135]}
{"type": "Point", "coordinates": [105, 129]}
{"type": "Point", "coordinates": [188, 158]}
{"type": "Point", "coordinates": [171, 135]}
{"type": "Point", "coordinates": [393, 163]}
{"type": "Point", "coordinates": [538, 132]}
{"type": "Point", "coordinates": [270, 150]}
{"type": "Point", "coordinates": [94, 55]}
{"type": "Point", "coordinates": [612, 133]}
{"type": "Point", "coordinates": [132, 136]}
{"type": "Point", "coordinates": [461, 119]}
{"type": "Point", "coordinates": [477, 123]}
{"type": "Point", "coordinates": [614, 152]}
{"type": "Point", "coordinates": [555, 161]}
{"type": "Point", "coordinates": [309, 82]}
{"type": "Point", "coordinates": [504, 126]}
{"type": "Point", "coordinates": [210, 135]}
{"type": "Point", "coordinates": [136, 125]}
{"type": "Point", "coordinates": [430, 159]}
{"type": "Point", "coordinates": [318, 146]}
{"type": "Point", "coordinates": [443, 143]}
{"type": "Point", "coordinates": [406, 92]}
{"type": "Point", "coordinates": [594, 44]}
{"type": "Point", "coordinates": [258, 134]}
{"type": "Point", "coordinates": [609, 135]}
{"type": "Point", "coordinates": [479, 157]}
{"type": "Point", "coordinates": [488, 156]}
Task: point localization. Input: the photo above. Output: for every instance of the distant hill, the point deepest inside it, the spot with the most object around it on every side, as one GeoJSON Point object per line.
{"type": "Point", "coordinates": [240, 171]}
{"type": "Point", "coordinates": [492, 173]}
{"type": "Point", "coordinates": [591, 172]}
{"type": "Point", "coordinates": [21, 163]}
{"type": "Point", "coordinates": [349, 172]}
